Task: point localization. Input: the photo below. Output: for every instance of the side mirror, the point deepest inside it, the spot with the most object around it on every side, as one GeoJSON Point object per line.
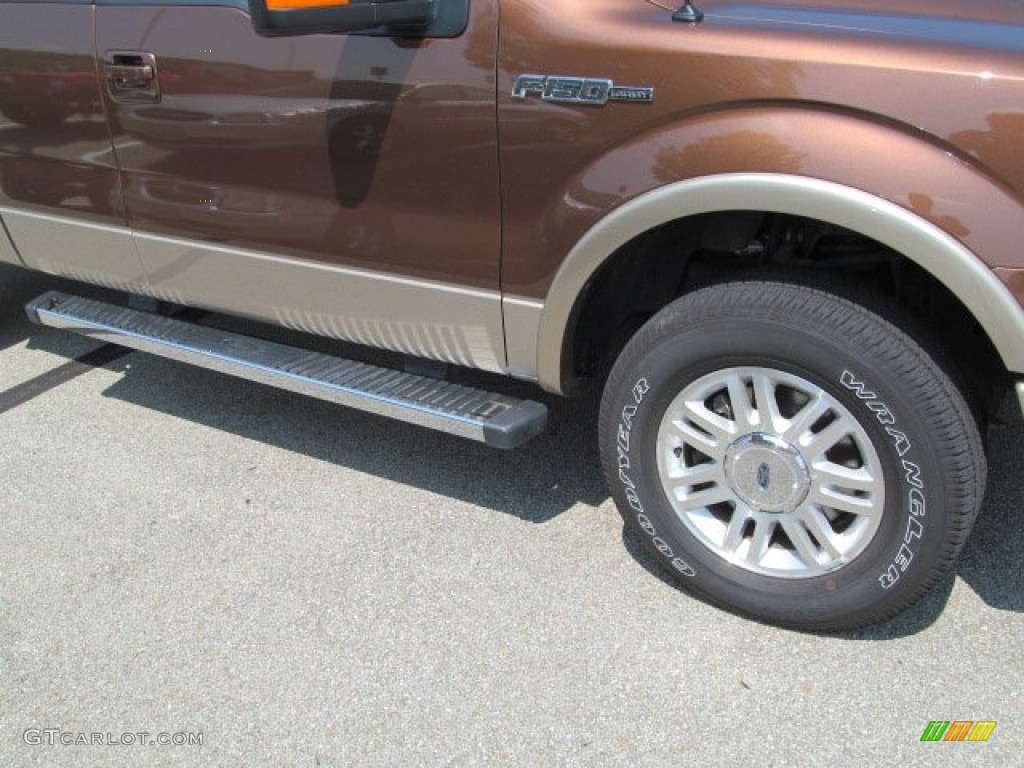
{"type": "Point", "coordinates": [305, 17]}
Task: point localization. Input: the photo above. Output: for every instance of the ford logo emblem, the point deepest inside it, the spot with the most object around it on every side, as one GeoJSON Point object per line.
{"type": "Point", "coordinates": [764, 476]}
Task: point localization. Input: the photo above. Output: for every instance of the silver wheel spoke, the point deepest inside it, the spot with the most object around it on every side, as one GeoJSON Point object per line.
{"type": "Point", "coordinates": [828, 437]}
{"type": "Point", "coordinates": [829, 474]}
{"type": "Point", "coordinates": [797, 534]}
{"type": "Point", "coordinates": [703, 498]}
{"type": "Point", "coordinates": [813, 410]}
{"type": "Point", "coordinates": [709, 445]}
{"type": "Point", "coordinates": [767, 406]}
{"type": "Point", "coordinates": [742, 409]}
{"type": "Point", "coordinates": [763, 530]}
{"type": "Point", "coordinates": [702, 473]}
{"type": "Point", "coordinates": [722, 429]}
{"type": "Point", "coordinates": [734, 533]}
{"type": "Point", "coordinates": [844, 502]}
{"type": "Point", "coordinates": [819, 527]}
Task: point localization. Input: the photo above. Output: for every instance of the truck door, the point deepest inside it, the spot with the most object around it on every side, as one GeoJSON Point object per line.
{"type": "Point", "coordinates": [59, 196]}
{"type": "Point", "coordinates": [315, 180]}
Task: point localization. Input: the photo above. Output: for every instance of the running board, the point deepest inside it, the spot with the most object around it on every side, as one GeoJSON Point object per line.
{"type": "Point", "coordinates": [497, 420]}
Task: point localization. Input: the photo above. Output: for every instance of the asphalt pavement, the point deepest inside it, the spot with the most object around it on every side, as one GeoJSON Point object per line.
{"type": "Point", "coordinates": [186, 557]}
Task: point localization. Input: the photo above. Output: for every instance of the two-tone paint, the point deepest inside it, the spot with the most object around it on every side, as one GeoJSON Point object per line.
{"type": "Point", "coordinates": [400, 192]}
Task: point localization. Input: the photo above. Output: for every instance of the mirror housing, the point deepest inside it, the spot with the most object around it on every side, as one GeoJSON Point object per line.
{"type": "Point", "coordinates": [306, 17]}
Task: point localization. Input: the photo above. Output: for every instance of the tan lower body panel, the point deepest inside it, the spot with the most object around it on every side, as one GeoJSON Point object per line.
{"type": "Point", "coordinates": [424, 318]}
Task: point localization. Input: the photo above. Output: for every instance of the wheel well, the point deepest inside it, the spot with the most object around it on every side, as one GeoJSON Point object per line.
{"type": "Point", "coordinates": [662, 264]}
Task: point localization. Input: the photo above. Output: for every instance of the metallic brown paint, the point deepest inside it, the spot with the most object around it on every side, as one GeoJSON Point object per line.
{"type": "Point", "coordinates": [760, 87]}
{"type": "Point", "coordinates": [370, 152]}
{"type": "Point", "coordinates": [55, 152]}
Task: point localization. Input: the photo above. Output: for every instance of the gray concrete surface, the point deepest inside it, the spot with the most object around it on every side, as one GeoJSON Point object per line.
{"type": "Point", "coordinates": [304, 585]}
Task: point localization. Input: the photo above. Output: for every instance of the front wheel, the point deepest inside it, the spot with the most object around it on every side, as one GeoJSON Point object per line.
{"type": "Point", "coordinates": [791, 455]}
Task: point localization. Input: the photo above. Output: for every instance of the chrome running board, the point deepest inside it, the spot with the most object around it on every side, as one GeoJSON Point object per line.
{"type": "Point", "coordinates": [497, 420]}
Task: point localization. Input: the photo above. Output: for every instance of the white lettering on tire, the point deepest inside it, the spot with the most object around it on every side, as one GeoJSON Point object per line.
{"type": "Point", "coordinates": [622, 439]}
{"type": "Point", "coordinates": [911, 473]}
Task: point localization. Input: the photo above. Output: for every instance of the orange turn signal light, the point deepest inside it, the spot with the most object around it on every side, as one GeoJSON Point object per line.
{"type": "Point", "coordinates": [290, 5]}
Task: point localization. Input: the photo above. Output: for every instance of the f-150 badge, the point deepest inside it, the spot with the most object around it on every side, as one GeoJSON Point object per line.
{"type": "Point", "coordinates": [579, 90]}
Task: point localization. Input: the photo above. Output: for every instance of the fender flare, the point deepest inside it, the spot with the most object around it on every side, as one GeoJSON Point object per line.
{"type": "Point", "coordinates": [981, 291]}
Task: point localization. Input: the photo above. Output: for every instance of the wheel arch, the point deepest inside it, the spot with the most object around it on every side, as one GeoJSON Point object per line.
{"type": "Point", "coordinates": [923, 242]}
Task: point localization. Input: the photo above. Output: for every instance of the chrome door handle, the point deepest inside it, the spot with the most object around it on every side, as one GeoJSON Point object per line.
{"type": "Point", "coordinates": [131, 76]}
{"type": "Point", "coordinates": [125, 77]}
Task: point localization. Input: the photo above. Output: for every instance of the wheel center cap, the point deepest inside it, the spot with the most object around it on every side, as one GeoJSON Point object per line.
{"type": "Point", "coordinates": [767, 473]}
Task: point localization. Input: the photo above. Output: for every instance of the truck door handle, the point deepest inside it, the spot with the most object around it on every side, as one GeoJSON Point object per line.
{"type": "Point", "coordinates": [131, 76]}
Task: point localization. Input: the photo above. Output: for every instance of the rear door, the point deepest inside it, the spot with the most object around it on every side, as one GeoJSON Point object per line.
{"type": "Point", "coordinates": [315, 181]}
{"type": "Point", "coordinates": [59, 194]}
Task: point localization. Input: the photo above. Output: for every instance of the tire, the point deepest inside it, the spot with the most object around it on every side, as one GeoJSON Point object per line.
{"type": "Point", "coordinates": [791, 455]}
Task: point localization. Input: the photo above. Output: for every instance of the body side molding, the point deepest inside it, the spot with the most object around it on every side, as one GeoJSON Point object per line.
{"type": "Point", "coordinates": [984, 295]}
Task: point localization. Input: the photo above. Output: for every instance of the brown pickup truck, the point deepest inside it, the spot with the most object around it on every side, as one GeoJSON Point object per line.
{"type": "Point", "coordinates": [784, 237]}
